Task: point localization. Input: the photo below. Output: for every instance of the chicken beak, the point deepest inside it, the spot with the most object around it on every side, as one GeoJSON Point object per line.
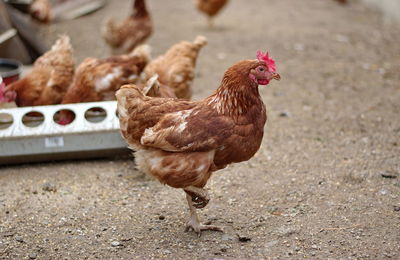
{"type": "Point", "coordinates": [276, 76]}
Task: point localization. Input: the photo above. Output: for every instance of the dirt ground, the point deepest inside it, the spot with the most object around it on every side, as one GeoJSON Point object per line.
{"type": "Point", "coordinates": [324, 185]}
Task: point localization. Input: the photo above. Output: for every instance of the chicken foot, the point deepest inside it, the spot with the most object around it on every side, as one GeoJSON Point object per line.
{"type": "Point", "coordinates": [194, 224]}
{"type": "Point", "coordinates": [198, 196]}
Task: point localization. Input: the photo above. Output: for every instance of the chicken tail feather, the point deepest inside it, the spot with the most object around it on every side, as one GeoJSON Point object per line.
{"type": "Point", "coordinates": [200, 41]}
{"type": "Point", "coordinates": [63, 42]}
{"type": "Point", "coordinates": [152, 83]}
{"type": "Point", "coordinates": [143, 50]}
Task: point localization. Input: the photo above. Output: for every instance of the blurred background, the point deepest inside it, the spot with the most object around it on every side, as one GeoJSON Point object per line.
{"type": "Point", "coordinates": [325, 183]}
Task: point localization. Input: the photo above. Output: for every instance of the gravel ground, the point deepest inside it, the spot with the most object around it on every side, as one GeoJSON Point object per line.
{"type": "Point", "coordinates": [324, 185]}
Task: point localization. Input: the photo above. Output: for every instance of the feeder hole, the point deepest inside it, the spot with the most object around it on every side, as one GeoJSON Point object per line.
{"type": "Point", "coordinates": [33, 119]}
{"type": "Point", "coordinates": [64, 117]}
{"type": "Point", "coordinates": [95, 114]}
{"type": "Point", "coordinates": [6, 120]}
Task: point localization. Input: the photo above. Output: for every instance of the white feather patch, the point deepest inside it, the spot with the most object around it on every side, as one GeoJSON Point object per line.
{"type": "Point", "coordinates": [178, 78]}
{"type": "Point", "coordinates": [104, 83]}
{"type": "Point", "coordinates": [181, 127]}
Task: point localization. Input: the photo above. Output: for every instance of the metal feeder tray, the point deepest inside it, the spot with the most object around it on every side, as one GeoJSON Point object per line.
{"type": "Point", "coordinates": [31, 137]}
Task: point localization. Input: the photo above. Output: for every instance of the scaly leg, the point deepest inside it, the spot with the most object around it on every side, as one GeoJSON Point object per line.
{"type": "Point", "coordinates": [194, 223]}
{"type": "Point", "coordinates": [199, 196]}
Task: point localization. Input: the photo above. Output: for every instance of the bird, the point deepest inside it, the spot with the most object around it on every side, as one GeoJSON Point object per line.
{"type": "Point", "coordinates": [49, 78]}
{"type": "Point", "coordinates": [181, 143]}
{"type": "Point", "coordinates": [42, 11]}
{"type": "Point", "coordinates": [124, 36]}
{"type": "Point", "coordinates": [210, 8]}
{"type": "Point", "coordinates": [98, 79]}
{"type": "Point", "coordinates": [176, 68]}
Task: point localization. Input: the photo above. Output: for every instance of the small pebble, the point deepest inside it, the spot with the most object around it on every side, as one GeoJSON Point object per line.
{"type": "Point", "coordinates": [8, 234]}
{"type": "Point", "coordinates": [50, 187]}
{"type": "Point", "coordinates": [383, 192]}
{"type": "Point", "coordinates": [389, 175]}
{"type": "Point", "coordinates": [32, 256]}
{"type": "Point", "coordinates": [284, 114]}
{"type": "Point", "coordinates": [342, 38]}
{"type": "Point", "coordinates": [221, 56]}
{"type": "Point", "coordinates": [298, 46]}
{"type": "Point", "coordinates": [286, 231]}
{"type": "Point", "coordinates": [271, 243]}
{"type": "Point", "coordinates": [115, 243]}
{"type": "Point", "coordinates": [243, 238]}
{"type": "Point", "coordinates": [224, 248]}
{"type": "Point", "coordinates": [366, 66]}
{"type": "Point", "coordinates": [161, 217]}
{"type": "Point", "coordinates": [226, 237]}
{"type": "Point", "coordinates": [396, 208]}
{"type": "Point", "coordinates": [19, 239]}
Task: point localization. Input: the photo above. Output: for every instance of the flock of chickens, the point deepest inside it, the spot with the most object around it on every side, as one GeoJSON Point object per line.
{"type": "Point", "coordinates": [41, 10]}
{"type": "Point", "coordinates": [178, 141]}
{"type": "Point", "coordinates": [54, 79]}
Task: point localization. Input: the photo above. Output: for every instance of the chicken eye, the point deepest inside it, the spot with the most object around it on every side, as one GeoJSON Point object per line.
{"type": "Point", "coordinates": [261, 69]}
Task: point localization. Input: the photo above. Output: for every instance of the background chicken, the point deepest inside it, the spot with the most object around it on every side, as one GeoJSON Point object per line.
{"type": "Point", "coordinates": [41, 10]}
{"type": "Point", "coordinates": [49, 78]}
{"type": "Point", "coordinates": [124, 36]}
{"type": "Point", "coordinates": [176, 67]}
{"type": "Point", "coordinates": [98, 79]}
{"type": "Point", "coordinates": [182, 142]}
{"type": "Point", "coordinates": [210, 8]}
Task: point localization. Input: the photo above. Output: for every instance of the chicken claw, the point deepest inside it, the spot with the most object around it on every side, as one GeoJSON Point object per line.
{"type": "Point", "coordinates": [194, 224]}
{"type": "Point", "coordinates": [197, 227]}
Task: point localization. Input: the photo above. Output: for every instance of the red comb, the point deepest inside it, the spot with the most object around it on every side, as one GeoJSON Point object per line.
{"type": "Point", "coordinates": [270, 62]}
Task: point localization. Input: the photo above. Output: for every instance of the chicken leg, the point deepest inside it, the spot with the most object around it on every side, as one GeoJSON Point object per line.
{"type": "Point", "coordinates": [198, 196]}
{"type": "Point", "coordinates": [194, 224]}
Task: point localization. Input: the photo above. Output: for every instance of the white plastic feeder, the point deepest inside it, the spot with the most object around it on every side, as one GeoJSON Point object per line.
{"type": "Point", "coordinates": [29, 137]}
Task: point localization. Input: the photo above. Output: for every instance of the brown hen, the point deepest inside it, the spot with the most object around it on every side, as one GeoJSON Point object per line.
{"type": "Point", "coordinates": [98, 79]}
{"type": "Point", "coordinates": [176, 67]}
{"type": "Point", "coordinates": [182, 142]}
{"type": "Point", "coordinates": [41, 11]}
{"type": "Point", "coordinates": [49, 78]}
{"type": "Point", "coordinates": [210, 8]}
{"type": "Point", "coordinates": [124, 36]}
